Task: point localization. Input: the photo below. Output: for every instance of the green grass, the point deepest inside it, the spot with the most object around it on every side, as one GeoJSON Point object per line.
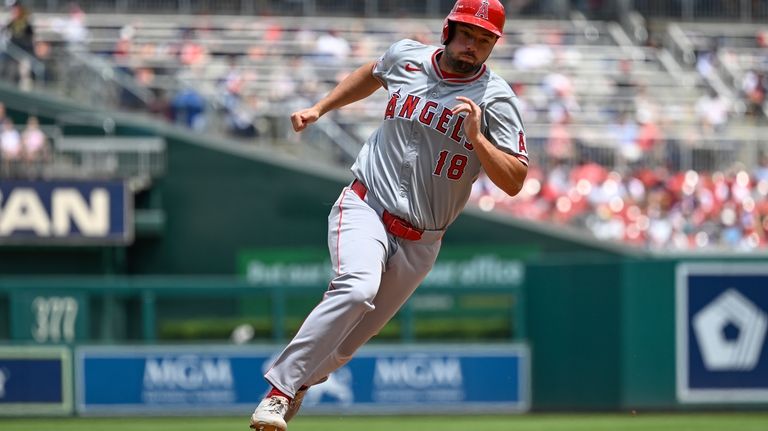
{"type": "Point", "coordinates": [529, 422]}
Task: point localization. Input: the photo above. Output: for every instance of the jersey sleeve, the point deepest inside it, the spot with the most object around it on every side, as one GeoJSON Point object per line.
{"type": "Point", "coordinates": [386, 64]}
{"type": "Point", "coordinates": [505, 128]}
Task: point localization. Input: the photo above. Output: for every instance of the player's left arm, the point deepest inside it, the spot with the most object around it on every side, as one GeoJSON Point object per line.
{"type": "Point", "coordinates": [506, 170]}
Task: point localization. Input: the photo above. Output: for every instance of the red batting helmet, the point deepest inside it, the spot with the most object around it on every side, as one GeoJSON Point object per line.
{"type": "Point", "coordinates": [487, 14]}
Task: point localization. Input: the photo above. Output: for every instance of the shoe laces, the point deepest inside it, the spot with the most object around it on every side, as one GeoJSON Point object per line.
{"type": "Point", "coordinates": [277, 406]}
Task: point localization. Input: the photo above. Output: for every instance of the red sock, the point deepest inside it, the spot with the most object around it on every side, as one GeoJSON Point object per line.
{"type": "Point", "coordinates": [277, 392]}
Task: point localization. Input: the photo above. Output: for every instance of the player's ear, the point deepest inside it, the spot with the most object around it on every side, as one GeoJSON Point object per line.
{"type": "Point", "coordinates": [448, 34]}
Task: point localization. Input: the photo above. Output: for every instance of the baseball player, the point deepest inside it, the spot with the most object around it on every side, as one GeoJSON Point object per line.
{"type": "Point", "coordinates": [447, 117]}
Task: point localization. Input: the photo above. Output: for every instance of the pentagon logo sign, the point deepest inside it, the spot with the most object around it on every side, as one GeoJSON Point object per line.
{"type": "Point", "coordinates": [722, 321]}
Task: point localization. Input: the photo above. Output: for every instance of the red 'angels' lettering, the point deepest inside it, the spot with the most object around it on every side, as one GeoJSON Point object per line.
{"type": "Point", "coordinates": [391, 105]}
{"type": "Point", "coordinates": [521, 142]}
{"type": "Point", "coordinates": [409, 106]}
{"type": "Point", "coordinates": [442, 123]}
{"type": "Point", "coordinates": [428, 116]}
{"type": "Point", "coordinates": [426, 112]}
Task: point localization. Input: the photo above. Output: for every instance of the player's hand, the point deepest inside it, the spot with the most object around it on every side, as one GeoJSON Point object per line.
{"type": "Point", "coordinates": [472, 121]}
{"type": "Point", "coordinates": [301, 119]}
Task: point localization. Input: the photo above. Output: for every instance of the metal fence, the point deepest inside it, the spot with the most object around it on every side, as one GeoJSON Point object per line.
{"type": "Point", "coordinates": [704, 10]}
{"type": "Point", "coordinates": [685, 10]}
{"type": "Point", "coordinates": [366, 8]}
{"type": "Point", "coordinates": [371, 8]}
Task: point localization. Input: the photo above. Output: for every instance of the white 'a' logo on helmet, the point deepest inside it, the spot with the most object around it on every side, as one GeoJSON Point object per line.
{"type": "Point", "coordinates": [482, 12]}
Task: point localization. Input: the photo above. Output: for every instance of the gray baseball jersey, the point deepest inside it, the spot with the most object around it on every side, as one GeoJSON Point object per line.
{"type": "Point", "coordinates": [418, 166]}
{"type": "Point", "coordinates": [418, 163]}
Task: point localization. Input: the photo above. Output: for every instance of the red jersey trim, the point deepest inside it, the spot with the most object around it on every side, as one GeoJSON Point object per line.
{"type": "Point", "coordinates": [440, 74]}
{"type": "Point", "coordinates": [381, 81]}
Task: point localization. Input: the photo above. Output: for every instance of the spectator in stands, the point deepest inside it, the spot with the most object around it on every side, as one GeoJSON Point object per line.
{"type": "Point", "coordinates": [712, 111]}
{"type": "Point", "coordinates": [644, 105]}
{"type": "Point", "coordinates": [11, 150]}
{"type": "Point", "coordinates": [239, 108]}
{"type": "Point", "coordinates": [241, 117]}
{"type": "Point", "coordinates": [273, 32]}
{"type": "Point", "coordinates": [606, 225]}
{"type": "Point", "coordinates": [532, 55]}
{"type": "Point", "coordinates": [160, 104]}
{"type": "Point", "coordinates": [230, 84]}
{"type": "Point", "coordinates": [761, 172]}
{"type": "Point", "coordinates": [191, 52]}
{"type": "Point", "coordinates": [35, 147]}
{"type": "Point", "coordinates": [625, 134]}
{"type": "Point", "coordinates": [650, 138]}
{"type": "Point", "coordinates": [130, 99]}
{"type": "Point", "coordinates": [21, 34]}
{"type": "Point", "coordinates": [124, 46]}
{"type": "Point", "coordinates": [188, 109]}
{"type": "Point", "coordinates": [44, 54]}
{"type": "Point", "coordinates": [559, 89]}
{"type": "Point", "coordinates": [625, 85]}
{"type": "Point", "coordinates": [19, 29]}
{"type": "Point", "coordinates": [707, 60]}
{"type": "Point", "coordinates": [72, 28]}
{"type": "Point", "coordinates": [331, 47]}
{"type": "Point", "coordinates": [558, 179]}
{"type": "Point", "coordinates": [560, 145]}
{"type": "Point", "coordinates": [754, 85]}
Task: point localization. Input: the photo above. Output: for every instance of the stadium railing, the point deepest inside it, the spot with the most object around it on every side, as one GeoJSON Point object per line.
{"type": "Point", "coordinates": [693, 10]}
{"type": "Point", "coordinates": [686, 10]}
{"type": "Point", "coordinates": [209, 308]}
{"type": "Point", "coordinates": [309, 8]}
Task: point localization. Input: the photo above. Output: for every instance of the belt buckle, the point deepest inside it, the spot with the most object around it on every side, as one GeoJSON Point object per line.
{"type": "Point", "coordinates": [401, 228]}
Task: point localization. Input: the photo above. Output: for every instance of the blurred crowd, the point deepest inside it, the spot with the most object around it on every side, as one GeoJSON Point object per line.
{"type": "Point", "coordinates": [25, 151]}
{"type": "Point", "coordinates": [654, 208]}
{"type": "Point", "coordinates": [751, 56]}
{"type": "Point", "coordinates": [628, 184]}
{"type": "Point", "coordinates": [236, 95]}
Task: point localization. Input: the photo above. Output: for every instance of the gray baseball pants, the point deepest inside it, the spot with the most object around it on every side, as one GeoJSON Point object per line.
{"type": "Point", "coordinates": [375, 273]}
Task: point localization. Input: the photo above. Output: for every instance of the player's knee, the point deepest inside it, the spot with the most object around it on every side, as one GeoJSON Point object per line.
{"type": "Point", "coordinates": [358, 288]}
{"type": "Point", "coordinates": [362, 295]}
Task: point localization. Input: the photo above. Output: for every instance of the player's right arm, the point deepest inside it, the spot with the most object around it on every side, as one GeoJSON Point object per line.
{"type": "Point", "coordinates": [356, 86]}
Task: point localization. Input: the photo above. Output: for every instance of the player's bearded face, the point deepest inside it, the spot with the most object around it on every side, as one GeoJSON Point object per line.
{"type": "Point", "coordinates": [468, 49]}
{"type": "Point", "coordinates": [461, 62]}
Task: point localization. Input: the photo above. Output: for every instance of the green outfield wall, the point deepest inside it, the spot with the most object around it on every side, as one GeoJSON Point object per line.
{"type": "Point", "coordinates": [601, 333]}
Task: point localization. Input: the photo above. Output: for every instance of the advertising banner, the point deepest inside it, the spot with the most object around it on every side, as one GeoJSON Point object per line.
{"type": "Point", "coordinates": [722, 321]}
{"type": "Point", "coordinates": [88, 212]}
{"type": "Point", "coordinates": [449, 380]}
{"type": "Point", "coordinates": [35, 381]}
{"type": "Point", "coordinates": [227, 379]}
{"type": "Point", "coordinates": [457, 266]}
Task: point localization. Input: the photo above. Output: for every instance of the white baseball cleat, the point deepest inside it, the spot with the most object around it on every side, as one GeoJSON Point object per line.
{"type": "Point", "coordinates": [295, 404]}
{"type": "Point", "coordinates": [270, 414]}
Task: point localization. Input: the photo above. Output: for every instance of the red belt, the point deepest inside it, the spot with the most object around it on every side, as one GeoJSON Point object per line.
{"type": "Point", "coordinates": [394, 224]}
